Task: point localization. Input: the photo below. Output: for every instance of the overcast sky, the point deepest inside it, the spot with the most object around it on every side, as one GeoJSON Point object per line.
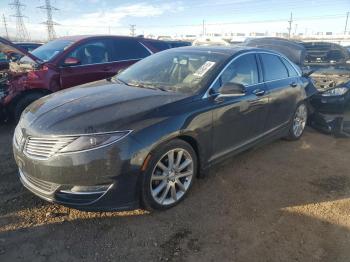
{"type": "Point", "coordinates": [165, 17]}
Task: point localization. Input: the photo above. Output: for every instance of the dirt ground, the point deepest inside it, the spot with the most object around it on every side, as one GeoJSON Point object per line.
{"type": "Point", "coordinates": [286, 201]}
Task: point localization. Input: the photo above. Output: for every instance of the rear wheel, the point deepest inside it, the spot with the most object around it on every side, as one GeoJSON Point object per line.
{"type": "Point", "coordinates": [298, 123]}
{"type": "Point", "coordinates": [169, 176]}
{"type": "Point", "coordinates": [22, 103]}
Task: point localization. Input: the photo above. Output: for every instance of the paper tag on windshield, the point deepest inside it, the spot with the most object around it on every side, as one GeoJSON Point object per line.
{"type": "Point", "coordinates": [204, 68]}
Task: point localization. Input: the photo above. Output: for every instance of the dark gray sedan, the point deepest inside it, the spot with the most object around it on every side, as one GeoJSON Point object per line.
{"type": "Point", "coordinates": [144, 136]}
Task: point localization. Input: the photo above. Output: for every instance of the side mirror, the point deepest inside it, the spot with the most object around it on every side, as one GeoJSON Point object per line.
{"type": "Point", "coordinates": [232, 89]}
{"type": "Point", "coordinates": [71, 61]}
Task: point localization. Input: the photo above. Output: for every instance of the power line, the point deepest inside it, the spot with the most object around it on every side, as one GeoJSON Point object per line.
{"type": "Point", "coordinates": [5, 26]}
{"type": "Point", "coordinates": [22, 33]}
{"type": "Point", "coordinates": [49, 22]}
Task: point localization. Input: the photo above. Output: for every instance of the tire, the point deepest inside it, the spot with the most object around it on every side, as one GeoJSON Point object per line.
{"type": "Point", "coordinates": [22, 103]}
{"type": "Point", "coordinates": [298, 123]}
{"type": "Point", "coordinates": [162, 189]}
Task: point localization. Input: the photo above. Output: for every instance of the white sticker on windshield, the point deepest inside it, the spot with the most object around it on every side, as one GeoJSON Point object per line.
{"type": "Point", "coordinates": [204, 68]}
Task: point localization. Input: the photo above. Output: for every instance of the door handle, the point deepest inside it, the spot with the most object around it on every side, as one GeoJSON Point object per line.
{"type": "Point", "coordinates": [259, 92]}
{"type": "Point", "coordinates": [107, 69]}
{"type": "Point", "coordinates": [293, 84]}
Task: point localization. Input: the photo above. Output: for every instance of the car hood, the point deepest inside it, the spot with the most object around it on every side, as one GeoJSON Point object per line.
{"type": "Point", "coordinates": [8, 47]}
{"type": "Point", "coordinates": [294, 51]}
{"type": "Point", "coordinates": [96, 107]}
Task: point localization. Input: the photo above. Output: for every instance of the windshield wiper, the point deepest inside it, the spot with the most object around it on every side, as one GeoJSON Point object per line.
{"type": "Point", "coordinates": [146, 85]}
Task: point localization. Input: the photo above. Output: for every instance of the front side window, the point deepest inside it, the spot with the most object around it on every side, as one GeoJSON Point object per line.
{"type": "Point", "coordinates": [243, 71]}
{"type": "Point", "coordinates": [93, 52]}
{"type": "Point", "coordinates": [176, 71]}
{"type": "Point", "coordinates": [274, 69]}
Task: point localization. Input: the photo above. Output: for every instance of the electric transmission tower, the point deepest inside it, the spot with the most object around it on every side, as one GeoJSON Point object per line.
{"type": "Point", "coordinates": [5, 26]}
{"type": "Point", "coordinates": [132, 30]}
{"type": "Point", "coordinates": [49, 22]}
{"type": "Point", "coordinates": [290, 25]}
{"type": "Point", "coordinates": [21, 31]}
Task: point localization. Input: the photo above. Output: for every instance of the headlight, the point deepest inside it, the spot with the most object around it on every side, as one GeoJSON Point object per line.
{"type": "Point", "coordinates": [339, 91]}
{"type": "Point", "coordinates": [86, 142]}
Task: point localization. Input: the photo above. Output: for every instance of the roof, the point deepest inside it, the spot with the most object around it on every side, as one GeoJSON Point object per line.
{"type": "Point", "coordinates": [76, 38]}
{"type": "Point", "coordinates": [228, 50]}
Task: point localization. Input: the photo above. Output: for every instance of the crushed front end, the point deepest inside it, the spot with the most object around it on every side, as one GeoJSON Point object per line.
{"type": "Point", "coordinates": [4, 89]}
{"type": "Point", "coordinates": [332, 103]}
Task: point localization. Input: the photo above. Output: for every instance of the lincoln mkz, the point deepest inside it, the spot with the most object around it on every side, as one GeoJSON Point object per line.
{"type": "Point", "coordinates": [143, 137]}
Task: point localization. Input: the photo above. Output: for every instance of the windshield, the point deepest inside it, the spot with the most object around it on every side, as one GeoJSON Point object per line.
{"type": "Point", "coordinates": [51, 49]}
{"type": "Point", "coordinates": [177, 71]}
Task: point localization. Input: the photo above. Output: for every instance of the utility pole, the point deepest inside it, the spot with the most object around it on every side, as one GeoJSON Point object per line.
{"type": "Point", "coordinates": [49, 22]}
{"type": "Point", "coordinates": [132, 30]}
{"type": "Point", "coordinates": [203, 29]}
{"type": "Point", "coordinates": [5, 26]}
{"type": "Point", "coordinates": [290, 24]}
{"type": "Point", "coordinates": [346, 23]}
{"type": "Point", "coordinates": [21, 31]}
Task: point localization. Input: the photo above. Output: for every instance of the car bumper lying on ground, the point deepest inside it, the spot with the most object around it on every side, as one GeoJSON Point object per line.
{"type": "Point", "coordinates": [82, 180]}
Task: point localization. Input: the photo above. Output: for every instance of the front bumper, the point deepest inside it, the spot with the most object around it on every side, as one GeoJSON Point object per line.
{"type": "Point", "coordinates": [112, 167]}
{"type": "Point", "coordinates": [331, 114]}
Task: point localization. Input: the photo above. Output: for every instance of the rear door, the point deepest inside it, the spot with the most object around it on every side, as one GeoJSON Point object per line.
{"type": "Point", "coordinates": [283, 87]}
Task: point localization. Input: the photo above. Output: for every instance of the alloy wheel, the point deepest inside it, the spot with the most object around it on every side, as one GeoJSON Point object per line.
{"type": "Point", "coordinates": [299, 121]}
{"type": "Point", "coordinates": [172, 176]}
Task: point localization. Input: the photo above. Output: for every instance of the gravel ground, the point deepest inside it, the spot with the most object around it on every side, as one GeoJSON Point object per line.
{"type": "Point", "coordinates": [286, 201]}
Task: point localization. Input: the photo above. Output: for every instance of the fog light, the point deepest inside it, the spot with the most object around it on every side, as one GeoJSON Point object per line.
{"type": "Point", "coordinates": [87, 189]}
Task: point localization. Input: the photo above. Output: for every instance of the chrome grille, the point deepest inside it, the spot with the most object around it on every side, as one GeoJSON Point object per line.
{"type": "Point", "coordinates": [43, 148]}
{"type": "Point", "coordinates": [38, 184]}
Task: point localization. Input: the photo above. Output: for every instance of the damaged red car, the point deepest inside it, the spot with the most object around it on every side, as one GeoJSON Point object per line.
{"type": "Point", "coordinates": [63, 63]}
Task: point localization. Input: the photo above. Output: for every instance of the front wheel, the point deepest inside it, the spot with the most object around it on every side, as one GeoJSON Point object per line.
{"type": "Point", "coordinates": [169, 175]}
{"type": "Point", "coordinates": [299, 121]}
{"type": "Point", "coordinates": [23, 103]}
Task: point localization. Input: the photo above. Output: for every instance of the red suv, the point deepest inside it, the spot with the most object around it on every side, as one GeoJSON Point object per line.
{"type": "Point", "coordinates": [66, 62]}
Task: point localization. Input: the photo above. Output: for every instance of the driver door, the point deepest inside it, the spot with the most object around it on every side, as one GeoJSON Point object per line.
{"type": "Point", "coordinates": [239, 119]}
{"type": "Point", "coordinates": [95, 63]}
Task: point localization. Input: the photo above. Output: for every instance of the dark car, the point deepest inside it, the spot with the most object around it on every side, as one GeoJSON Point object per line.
{"type": "Point", "coordinates": [175, 44]}
{"type": "Point", "coordinates": [328, 64]}
{"type": "Point", "coordinates": [66, 62]}
{"type": "Point", "coordinates": [28, 46]}
{"type": "Point", "coordinates": [144, 137]}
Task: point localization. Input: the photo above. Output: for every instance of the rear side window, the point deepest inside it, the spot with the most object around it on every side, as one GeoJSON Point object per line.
{"type": "Point", "coordinates": [274, 69]}
{"type": "Point", "coordinates": [126, 49]}
{"type": "Point", "coordinates": [243, 71]}
{"type": "Point", "coordinates": [290, 68]}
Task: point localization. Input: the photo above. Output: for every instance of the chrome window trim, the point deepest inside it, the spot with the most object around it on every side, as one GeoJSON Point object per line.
{"type": "Point", "coordinates": [206, 94]}
{"type": "Point", "coordinates": [149, 50]}
{"type": "Point", "coordinates": [112, 62]}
